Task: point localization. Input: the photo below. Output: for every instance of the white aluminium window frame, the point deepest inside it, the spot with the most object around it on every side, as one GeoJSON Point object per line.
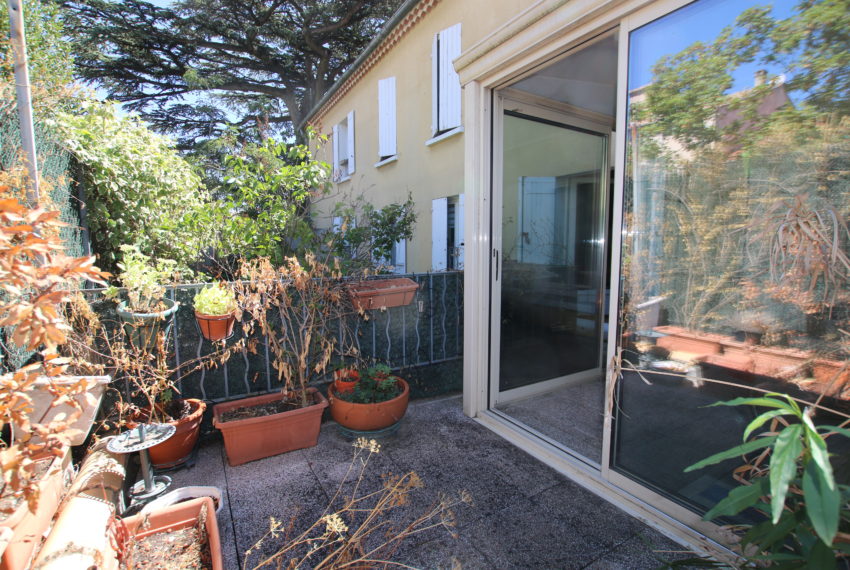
{"type": "Point", "coordinates": [545, 32]}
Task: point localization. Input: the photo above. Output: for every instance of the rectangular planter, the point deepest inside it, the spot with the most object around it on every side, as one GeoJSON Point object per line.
{"type": "Point", "coordinates": [177, 517]}
{"type": "Point", "coordinates": [383, 293]}
{"type": "Point", "coordinates": [256, 438]}
{"type": "Point", "coordinates": [678, 339]}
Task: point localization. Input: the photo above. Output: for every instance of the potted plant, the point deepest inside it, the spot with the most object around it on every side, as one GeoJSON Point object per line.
{"type": "Point", "coordinates": [154, 383]}
{"type": "Point", "coordinates": [297, 308]}
{"type": "Point", "coordinates": [193, 540]}
{"type": "Point", "coordinates": [378, 401]}
{"type": "Point", "coordinates": [146, 307]}
{"type": "Point", "coordinates": [154, 396]}
{"type": "Point", "coordinates": [346, 378]}
{"type": "Point", "coordinates": [215, 311]}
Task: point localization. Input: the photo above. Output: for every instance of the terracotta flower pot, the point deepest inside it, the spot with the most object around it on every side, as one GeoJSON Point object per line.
{"type": "Point", "coordinates": [28, 527]}
{"type": "Point", "coordinates": [345, 380]}
{"type": "Point", "coordinates": [369, 417]}
{"type": "Point", "coordinates": [177, 517]}
{"type": "Point", "coordinates": [216, 327]}
{"type": "Point", "coordinates": [383, 293]}
{"type": "Point", "coordinates": [177, 448]}
{"type": "Point", "coordinates": [255, 438]}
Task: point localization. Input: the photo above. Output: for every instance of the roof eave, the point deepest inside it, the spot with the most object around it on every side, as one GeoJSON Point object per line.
{"type": "Point", "coordinates": [373, 45]}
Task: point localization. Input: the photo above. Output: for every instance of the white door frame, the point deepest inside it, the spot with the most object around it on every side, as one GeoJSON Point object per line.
{"type": "Point", "coordinates": [528, 107]}
{"type": "Point", "coordinates": [542, 33]}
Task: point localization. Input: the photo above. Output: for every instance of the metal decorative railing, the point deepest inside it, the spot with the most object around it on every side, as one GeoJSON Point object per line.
{"type": "Point", "coordinates": [426, 333]}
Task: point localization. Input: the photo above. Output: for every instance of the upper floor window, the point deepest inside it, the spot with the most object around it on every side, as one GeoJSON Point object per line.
{"type": "Point", "coordinates": [445, 103]}
{"type": "Point", "coordinates": [386, 118]}
{"type": "Point", "coordinates": [343, 148]}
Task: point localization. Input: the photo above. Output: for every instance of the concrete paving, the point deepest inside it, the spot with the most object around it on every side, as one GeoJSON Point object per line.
{"type": "Point", "coordinates": [525, 515]}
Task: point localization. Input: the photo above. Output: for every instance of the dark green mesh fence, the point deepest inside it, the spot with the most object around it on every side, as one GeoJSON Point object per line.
{"type": "Point", "coordinates": [55, 169]}
{"type": "Point", "coordinates": [423, 341]}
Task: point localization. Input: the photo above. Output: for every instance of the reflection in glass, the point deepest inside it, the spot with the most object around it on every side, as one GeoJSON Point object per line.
{"type": "Point", "coordinates": [736, 255]}
{"type": "Point", "coordinates": [553, 224]}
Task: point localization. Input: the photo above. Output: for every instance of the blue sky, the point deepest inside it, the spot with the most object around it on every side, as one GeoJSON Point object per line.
{"type": "Point", "coordinates": [700, 21]}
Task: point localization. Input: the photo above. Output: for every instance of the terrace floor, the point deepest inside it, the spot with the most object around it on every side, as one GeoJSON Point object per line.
{"type": "Point", "coordinates": [525, 515]}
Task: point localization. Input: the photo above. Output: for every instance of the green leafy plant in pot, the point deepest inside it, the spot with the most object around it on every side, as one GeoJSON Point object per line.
{"type": "Point", "coordinates": [215, 311]}
{"type": "Point", "coordinates": [146, 308]}
{"type": "Point", "coordinates": [378, 401]}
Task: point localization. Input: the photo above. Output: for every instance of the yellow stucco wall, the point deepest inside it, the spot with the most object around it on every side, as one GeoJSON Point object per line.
{"type": "Point", "coordinates": [426, 171]}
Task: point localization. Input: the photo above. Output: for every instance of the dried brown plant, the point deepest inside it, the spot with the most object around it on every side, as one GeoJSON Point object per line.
{"type": "Point", "coordinates": [36, 279]}
{"type": "Point", "coordinates": [355, 530]}
{"type": "Point", "coordinates": [299, 308]}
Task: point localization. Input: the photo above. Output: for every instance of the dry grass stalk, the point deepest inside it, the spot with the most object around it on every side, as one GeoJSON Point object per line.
{"type": "Point", "coordinates": [355, 530]}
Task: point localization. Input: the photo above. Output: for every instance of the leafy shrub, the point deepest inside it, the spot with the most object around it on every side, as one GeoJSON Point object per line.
{"type": "Point", "coordinates": [261, 210]}
{"type": "Point", "coordinates": [138, 190]}
{"type": "Point", "coordinates": [806, 516]}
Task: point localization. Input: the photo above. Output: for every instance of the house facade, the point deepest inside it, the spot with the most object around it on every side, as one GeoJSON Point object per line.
{"type": "Point", "coordinates": [631, 214]}
{"type": "Point", "coordinates": [395, 126]}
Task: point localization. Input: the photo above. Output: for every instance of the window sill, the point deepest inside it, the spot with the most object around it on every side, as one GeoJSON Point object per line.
{"type": "Point", "coordinates": [387, 160]}
{"type": "Point", "coordinates": [345, 178]}
{"type": "Point", "coordinates": [444, 136]}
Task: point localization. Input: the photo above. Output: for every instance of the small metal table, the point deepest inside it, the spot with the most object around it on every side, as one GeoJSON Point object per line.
{"type": "Point", "coordinates": [140, 439]}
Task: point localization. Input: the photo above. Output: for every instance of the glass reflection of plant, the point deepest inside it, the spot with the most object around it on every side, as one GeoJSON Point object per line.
{"type": "Point", "coordinates": [740, 205]}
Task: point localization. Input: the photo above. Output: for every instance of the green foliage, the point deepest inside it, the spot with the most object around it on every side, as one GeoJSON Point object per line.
{"type": "Point", "coordinates": [48, 51]}
{"type": "Point", "coordinates": [370, 242]}
{"type": "Point", "coordinates": [215, 299]}
{"type": "Point", "coordinates": [139, 191]}
{"type": "Point", "coordinates": [690, 88]}
{"type": "Point", "coordinates": [264, 196]}
{"type": "Point", "coordinates": [377, 384]}
{"type": "Point", "coordinates": [264, 64]}
{"type": "Point", "coordinates": [803, 506]}
{"type": "Point", "coordinates": [144, 279]}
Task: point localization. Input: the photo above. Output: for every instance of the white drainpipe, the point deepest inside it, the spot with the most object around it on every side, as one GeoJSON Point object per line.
{"type": "Point", "coordinates": [22, 84]}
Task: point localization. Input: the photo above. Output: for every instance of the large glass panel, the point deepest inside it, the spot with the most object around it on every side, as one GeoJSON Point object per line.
{"type": "Point", "coordinates": [550, 236]}
{"type": "Point", "coordinates": [552, 286]}
{"type": "Point", "coordinates": [736, 248]}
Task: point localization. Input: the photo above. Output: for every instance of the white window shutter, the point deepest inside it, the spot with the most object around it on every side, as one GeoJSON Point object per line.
{"type": "Point", "coordinates": [435, 83]}
{"type": "Point", "coordinates": [439, 234]}
{"type": "Point", "coordinates": [336, 158]}
{"type": "Point", "coordinates": [336, 226]}
{"type": "Point", "coordinates": [450, 93]}
{"type": "Point", "coordinates": [459, 239]}
{"type": "Point", "coordinates": [386, 117]}
{"type": "Point", "coordinates": [400, 257]}
{"type": "Point", "coordinates": [351, 143]}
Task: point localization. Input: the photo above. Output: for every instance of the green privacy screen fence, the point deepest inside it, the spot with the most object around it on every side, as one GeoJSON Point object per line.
{"type": "Point", "coordinates": [423, 341]}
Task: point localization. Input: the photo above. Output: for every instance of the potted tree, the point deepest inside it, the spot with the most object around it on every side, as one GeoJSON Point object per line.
{"type": "Point", "coordinates": [145, 308]}
{"type": "Point", "coordinates": [215, 311]}
{"type": "Point", "coordinates": [378, 401]}
{"type": "Point", "coordinates": [297, 308]}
